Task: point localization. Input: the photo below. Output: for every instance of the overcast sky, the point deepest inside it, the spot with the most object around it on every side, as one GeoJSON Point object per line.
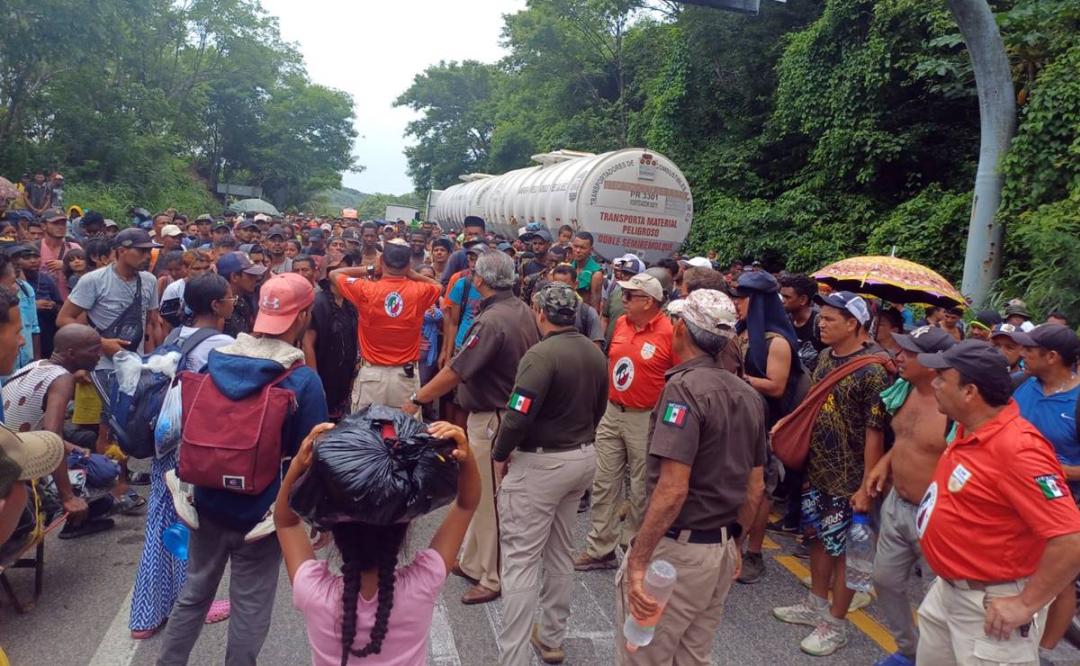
{"type": "Point", "coordinates": [372, 49]}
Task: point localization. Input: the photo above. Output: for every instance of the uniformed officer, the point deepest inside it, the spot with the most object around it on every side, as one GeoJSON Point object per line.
{"type": "Point", "coordinates": [391, 310]}
{"type": "Point", "coordinates": [546, 440]}
{"type": "Point", "coordinates": [706, 451]}
{"type": "Point", "coordinates": [997, 524]}
{"type": "Point", "coordinates": [485, 368]}
{"type": "Point", "coordinates": [639, 355]}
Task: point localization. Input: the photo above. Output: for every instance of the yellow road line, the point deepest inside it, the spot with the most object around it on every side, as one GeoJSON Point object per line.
{"type": "Point", "coordinates": [769, 544]}
{"type": "Point", "coordinates": [866, 624]}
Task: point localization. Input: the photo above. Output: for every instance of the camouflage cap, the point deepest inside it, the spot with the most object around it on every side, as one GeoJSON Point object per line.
{"type": "Point", "coordinates": [556, 298]}
{"type": "Point", "coordinates": [710, 310]}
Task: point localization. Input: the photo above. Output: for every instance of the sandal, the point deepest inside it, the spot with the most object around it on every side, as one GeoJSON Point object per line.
{"type": "Point", "coordinates": [219, 610]}
{"type": "Point", "coordinates": [130, 504]}
{"type": "Point", "coordinates": [86, 528]}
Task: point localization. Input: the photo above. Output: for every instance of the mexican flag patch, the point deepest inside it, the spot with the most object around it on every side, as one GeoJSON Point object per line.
{"type": "Point", "coordinates": [1048, 484]}
{"type": "Point", "coordinates": [675, 414]}
{"type": "Point", "coordinates": [520, 401]}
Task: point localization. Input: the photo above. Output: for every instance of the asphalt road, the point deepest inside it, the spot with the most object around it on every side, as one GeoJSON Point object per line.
{"type": "Point", "coordinates": [82, 616]}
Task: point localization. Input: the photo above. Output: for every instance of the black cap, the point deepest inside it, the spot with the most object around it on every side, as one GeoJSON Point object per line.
{"type": "Point", "coordinates": [205, 217]}
{"type": "Point", "coordinates": [222, 225]}
{"type": "Point", "coordinates": [275, 231]}
{"type": "Point", "coordinates": [476, 247]}
{"type": "Point", "coordinates": [230, 213]}
{"type": "Point", "coordinates": [133, 237]}
{"type": "Point", "coordinates": [977, 360]}
{"type": "Point", "coordinates": [249, 223]}
{"type": "Point", "coordinates": [21, 249]}
{"type": "Point", "coordinates": [1052, 337]}
{"type": "Point", "coordinates": [351, 235]}
{"type": "Point", "coordinates": [925, 340]}
{"type": "Point", "coordinates": [543, 233]}
{"type": "Point", "coordinates": [50, 214]}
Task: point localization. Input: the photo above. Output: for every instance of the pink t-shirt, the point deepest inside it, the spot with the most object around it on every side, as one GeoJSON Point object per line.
{"type": "Point", "coordinates": [317, 595]}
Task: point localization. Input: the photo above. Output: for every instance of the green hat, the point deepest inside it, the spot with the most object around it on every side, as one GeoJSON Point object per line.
{"type": "Point", "coordinates": [557, 299]}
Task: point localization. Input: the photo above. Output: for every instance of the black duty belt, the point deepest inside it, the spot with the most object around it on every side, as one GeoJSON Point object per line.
{"type": "Point", "coordinates": [732, 531]}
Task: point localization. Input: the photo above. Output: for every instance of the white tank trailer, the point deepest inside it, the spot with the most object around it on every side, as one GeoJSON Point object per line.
{"type": "Point", "coordinates": [632, 200]}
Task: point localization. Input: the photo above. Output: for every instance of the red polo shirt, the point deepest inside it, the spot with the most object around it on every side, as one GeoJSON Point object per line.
{"type": "Point", "coordinates": [391, 316]}
{"type": "Point", "coordinates": [637, 361]}
{"type": "Point", "coordinates": [997, 496]}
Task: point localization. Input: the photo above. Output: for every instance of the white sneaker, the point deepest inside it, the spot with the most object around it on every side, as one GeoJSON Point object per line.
{"type": "Point", "coordinates": [801, 613]}
{"type": "Point", "coordinates": [183, 498]}
{"type": "Point", "coordinates": [827, 637]}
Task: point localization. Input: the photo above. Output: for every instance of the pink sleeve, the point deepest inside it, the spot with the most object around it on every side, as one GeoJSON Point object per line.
{"type": "Point", "coordinates": [311, 584]}
{"type": "Point", "coordinates": [427, 574]}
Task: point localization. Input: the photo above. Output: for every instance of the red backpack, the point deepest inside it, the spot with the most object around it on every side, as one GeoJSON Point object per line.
{"type": "Point", "coordinates": [232, 444]}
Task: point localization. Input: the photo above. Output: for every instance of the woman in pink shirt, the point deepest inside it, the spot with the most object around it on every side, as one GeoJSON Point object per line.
{"type": "Point", "coordinates": [392, 606]}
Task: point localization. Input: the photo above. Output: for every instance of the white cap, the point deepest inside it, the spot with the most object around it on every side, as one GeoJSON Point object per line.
{"type": "Point", "coordinates": [171, 230]}
{"type": "Point", "coordinates": [696, 262]}
{"type": "Point", "coordinates": [262, 217]}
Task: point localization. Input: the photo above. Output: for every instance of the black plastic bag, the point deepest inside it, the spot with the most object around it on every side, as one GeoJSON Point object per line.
{"type": "Point", "coordinates": [359, 476]}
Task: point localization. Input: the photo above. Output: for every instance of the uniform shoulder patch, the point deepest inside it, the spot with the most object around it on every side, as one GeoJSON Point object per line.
{"type": "Point", "coordinates": [521, 400]}
{"type": "Point", "coordinates": [1050, 486]}
{"type": "Point", "coordinates": [675, 414]}
{"type": "Point", "coordinates": [471, 341]}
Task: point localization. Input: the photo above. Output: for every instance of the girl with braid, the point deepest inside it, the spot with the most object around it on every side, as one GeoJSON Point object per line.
{"type": "Point", "coordinates": [374, 612]}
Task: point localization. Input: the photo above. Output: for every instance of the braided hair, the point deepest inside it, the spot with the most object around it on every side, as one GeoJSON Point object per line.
{"type": "Point", "coordinates": [363, 547]}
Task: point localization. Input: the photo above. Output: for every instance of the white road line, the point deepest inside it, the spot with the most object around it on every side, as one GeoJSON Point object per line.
{"type": "Point", "coordinates": [442, 650]}
{"type": "Point", "coordinates": [117, 647]}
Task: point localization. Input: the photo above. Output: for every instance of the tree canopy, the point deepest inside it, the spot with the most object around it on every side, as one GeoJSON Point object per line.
{"type": "Point", "coordinates": [139, 101]}
{"type": "Point", "coordinates": [814, 130]}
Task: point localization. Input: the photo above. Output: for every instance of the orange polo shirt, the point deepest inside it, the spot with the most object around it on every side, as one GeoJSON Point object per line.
{"type": "Point", "coordinates": [637, 361]}
{"type": "Point", "coordinates": [391, 315]}
{"type": "Point", "coordinates": [998, 495]}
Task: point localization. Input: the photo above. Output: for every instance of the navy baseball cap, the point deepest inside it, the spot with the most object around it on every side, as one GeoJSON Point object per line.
{"type": "Point", "coordinates": [845, 300]}
{"type": "Point", "coordinates": [136, 238]}
{"type": "Point", "coordinates": [276, 231]}
{"type": "Point", "coordinates": [977, 360]}
{"type": "Point", "coordinates": [236, 262]}
{"type": "Point", "coordinates": [317, 234]}
{"type": "Point", "coordinates": [1052, 337]}
{"type": "Point", "coordinates": [925, 340]}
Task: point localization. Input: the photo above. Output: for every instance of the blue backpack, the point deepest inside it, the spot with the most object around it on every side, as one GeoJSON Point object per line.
{"type": "Point", "coordinates": [132, 418]}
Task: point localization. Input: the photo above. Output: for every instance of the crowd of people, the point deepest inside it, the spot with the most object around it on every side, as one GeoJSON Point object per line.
{"type": "Point", "coordinates": [653, 397]}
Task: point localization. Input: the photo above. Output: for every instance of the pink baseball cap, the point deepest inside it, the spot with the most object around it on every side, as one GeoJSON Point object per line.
{"type": "Point", "coordinates": [281, 298]}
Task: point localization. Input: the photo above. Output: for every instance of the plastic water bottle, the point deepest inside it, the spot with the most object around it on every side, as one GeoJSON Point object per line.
{"type": "Point", "coordinates": [175, 538]}
{"type": "Point", "coordinates": [659, 583]}
{"type": "Point", "coordinates": [860, 554]}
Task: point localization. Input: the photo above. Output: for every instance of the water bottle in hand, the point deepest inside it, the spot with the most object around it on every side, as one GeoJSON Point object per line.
{"type": "Point", "coordinates": [659, 584]}
{"type": "Point", "coordinates": [175, 538]}
{"type": "Point", "coordinates": [860, 554]}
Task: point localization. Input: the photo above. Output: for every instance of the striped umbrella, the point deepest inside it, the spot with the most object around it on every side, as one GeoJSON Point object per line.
{"type": "Point", "coordinates": [893, 279]}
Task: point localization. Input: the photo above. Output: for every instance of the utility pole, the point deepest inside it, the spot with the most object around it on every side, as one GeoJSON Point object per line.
{"type": "Point", "coordinates": [997, 123]}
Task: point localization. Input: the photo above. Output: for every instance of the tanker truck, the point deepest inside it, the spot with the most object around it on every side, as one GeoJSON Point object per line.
{"type": "Point", "coordinates": [632, 200]}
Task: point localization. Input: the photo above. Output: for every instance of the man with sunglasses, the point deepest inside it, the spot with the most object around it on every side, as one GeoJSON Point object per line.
{"type": "Point", "coordinates": [639, 355]}
{"type": "Point", "coordinates": [611, 306]}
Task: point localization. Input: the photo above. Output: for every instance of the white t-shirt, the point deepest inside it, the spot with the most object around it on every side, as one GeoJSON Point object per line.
{"type": "Point", "coordinates": [174, 289]}
{"type": "Point", "coordinates": [198, 357]}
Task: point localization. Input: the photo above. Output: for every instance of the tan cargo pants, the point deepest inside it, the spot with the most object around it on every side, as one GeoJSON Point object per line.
{"type": "Point", "coordinates": [951, 629]}
{"type": "Point", "coordinates": [480, 552]}
{"type": "Point", "coordinates": [538, 502]}
{"type": "Point", "coordinates": [688, 624]}
{"type": "Point", "coordinates": [383, 385]}
{"type": "Point", "coordinates": [622, 442]}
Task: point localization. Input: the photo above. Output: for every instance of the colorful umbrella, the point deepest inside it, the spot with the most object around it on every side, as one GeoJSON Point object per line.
{"type": "Point", "coordinates": [7, 189]}
{"type": "Point", "coordinates": [893, 279]}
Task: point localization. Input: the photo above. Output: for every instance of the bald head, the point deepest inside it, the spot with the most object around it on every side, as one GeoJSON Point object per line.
{"type": "Point", "coordinates": [77, 347]}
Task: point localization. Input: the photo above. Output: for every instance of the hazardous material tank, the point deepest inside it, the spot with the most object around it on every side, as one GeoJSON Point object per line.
{"type": "Point", "coordinates": [633, 200]}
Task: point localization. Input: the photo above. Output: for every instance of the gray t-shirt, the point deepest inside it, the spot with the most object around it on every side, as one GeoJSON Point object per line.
{"type": "Point", "coordinates": [105, 295]}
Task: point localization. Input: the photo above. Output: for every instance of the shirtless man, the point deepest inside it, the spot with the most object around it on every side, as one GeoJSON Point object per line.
{"type": "Point", "coordinates": [369, 243]}
{"type": "Point", "coordinates": [920, 431]}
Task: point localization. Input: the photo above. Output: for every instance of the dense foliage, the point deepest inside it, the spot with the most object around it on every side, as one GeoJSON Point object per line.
{"type": "Point", "coordinates": [154, 102]}
{"type": "Point", "coordinates": [812, 131]}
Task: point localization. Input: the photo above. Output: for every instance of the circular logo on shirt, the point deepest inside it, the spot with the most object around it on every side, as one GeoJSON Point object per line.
{"type": "Point", "coordinates": [623, 373]}
{"type": "Point", "coordinates": [394, 304]}
{"type": "Point", "coordinates": [647, 350]}
{"type": "Point", "coordinates": [926, 507]}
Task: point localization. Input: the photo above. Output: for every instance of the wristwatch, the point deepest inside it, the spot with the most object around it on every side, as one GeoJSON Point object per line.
{"type": "Point", "coordinates": [413, 400]}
